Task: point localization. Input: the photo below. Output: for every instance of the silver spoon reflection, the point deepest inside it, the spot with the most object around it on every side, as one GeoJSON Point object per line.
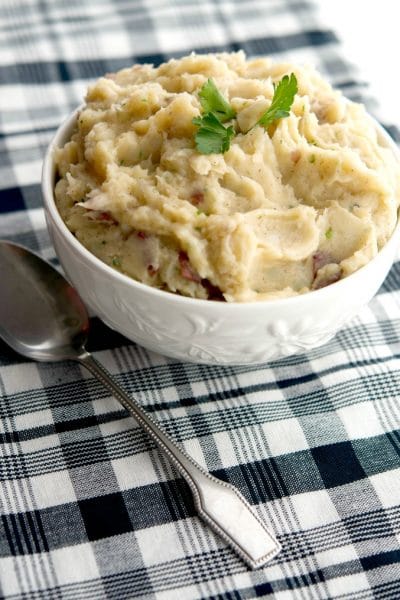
{"type": "Point", "coordinates": [43, 318]}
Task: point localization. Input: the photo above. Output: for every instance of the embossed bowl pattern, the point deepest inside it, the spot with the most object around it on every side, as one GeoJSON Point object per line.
{"type": "Point", "coordinates": [205, 331]}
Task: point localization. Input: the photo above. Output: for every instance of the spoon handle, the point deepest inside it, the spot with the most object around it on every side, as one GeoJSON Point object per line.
{"type": "Point", "coordinates": [220, 504]}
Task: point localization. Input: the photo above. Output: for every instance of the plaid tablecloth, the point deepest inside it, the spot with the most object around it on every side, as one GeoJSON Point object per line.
{"type": "Point", "coordinates": [89, 507]}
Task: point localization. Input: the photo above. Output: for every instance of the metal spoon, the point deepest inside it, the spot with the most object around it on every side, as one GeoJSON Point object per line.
{"type": "Point", "coordinates": [43, 318]}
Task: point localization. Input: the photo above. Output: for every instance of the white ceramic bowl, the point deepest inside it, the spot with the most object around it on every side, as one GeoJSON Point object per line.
{"type": "Point", "coordinates": [206, 331]}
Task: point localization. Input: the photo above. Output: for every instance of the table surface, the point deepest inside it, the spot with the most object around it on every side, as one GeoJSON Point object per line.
{"type": "Point", "coordinates": [89, 507]}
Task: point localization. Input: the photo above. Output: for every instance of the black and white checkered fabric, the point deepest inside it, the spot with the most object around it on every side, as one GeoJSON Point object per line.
{"type": "Point", "coordinates": [89, 508]}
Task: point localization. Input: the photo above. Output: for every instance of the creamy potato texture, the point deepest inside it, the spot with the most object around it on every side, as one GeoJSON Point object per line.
{"type": "Point", "coordinates": [285, 210]}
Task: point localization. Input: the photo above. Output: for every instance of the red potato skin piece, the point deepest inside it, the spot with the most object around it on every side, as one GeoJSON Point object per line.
{"type": "Point", "coordinates": [152, 270]}
{"type": "Point", "coordinates": [187, 271]}
{"type": "Point", "coordinates": [141, 235]}
{"type": "Point", "coordinates": [197, 198]}
{"type": "Point", "coordinates": [104, 216]}
{"type": "Point", "coordinates": [320, 259]}
{"type": "Point", "coordinates": [214, 293]}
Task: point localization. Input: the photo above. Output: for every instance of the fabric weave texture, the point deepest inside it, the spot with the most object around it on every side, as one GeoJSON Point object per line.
{"type": "Point", "coordinates": [90, 509]}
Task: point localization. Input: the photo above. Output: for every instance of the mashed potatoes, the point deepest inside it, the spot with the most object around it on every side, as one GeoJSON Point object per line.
{"type": "Point", "coordinates": [287, 209]}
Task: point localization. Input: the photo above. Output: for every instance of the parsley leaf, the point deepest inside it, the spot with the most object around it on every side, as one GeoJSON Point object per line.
{"type": "Point", "coordinates": [282, 101]}
{"type": "Point", "coordinates": [212, 101]}
{"type": "Point", "coordinates": [212, 136]}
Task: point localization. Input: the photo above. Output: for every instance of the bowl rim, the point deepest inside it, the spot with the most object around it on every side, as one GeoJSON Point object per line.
{"type": "Point", "coordinates": [62, 135]}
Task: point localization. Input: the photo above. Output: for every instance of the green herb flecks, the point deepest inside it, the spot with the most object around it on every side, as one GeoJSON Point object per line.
{"type": "Point", "coordinates": [116, 261]}
{"type": "Point", "coordinates": [329, 233]}
{"type": "Point", "coordinates": [282, 101]}
{"type": "Point", "coordinates": [311, 158]}
{"type": "Point", "coordinates": [212, 136]}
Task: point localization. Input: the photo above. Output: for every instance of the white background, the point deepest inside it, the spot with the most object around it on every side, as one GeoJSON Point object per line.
{"type": "Point", "coordinates": [370, 33]}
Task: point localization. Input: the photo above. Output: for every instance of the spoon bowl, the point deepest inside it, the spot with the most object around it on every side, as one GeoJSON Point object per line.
{"type": "Point", "coordinates": [42, 316]}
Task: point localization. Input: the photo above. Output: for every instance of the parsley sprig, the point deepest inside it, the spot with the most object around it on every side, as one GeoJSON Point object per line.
{"type": "Point", "coordinates": [282, 101]}
{"type": "Point", "coordinates": [213, 137]}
